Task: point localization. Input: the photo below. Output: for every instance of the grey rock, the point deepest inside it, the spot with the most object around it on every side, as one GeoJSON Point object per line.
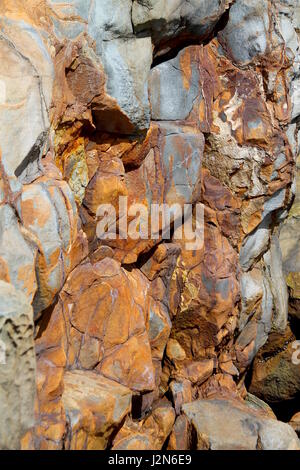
{"type": "Point", "coordinates": [172, 95]}
{"type": "Point", "coordinates": [126, 60]}
{"type": "Point", "coordinates": [168, 19]}
{"type": "Point", "coordinates": [225, 425]}
{"type": "Point", "coordinates": [289, 22]}
{"type": "Point", "coordinates": [255, 244]}
{"type": "Point", "coordinates": [289, 242]}
{"type": "Point", "coordinates": [274, 272]}
{"type": "Point", "coordinates": [127, 66]}
{"type": "Point", "coordinates": [277, 200]}
{"type": "Point", "coordinates": [110, 19]}
{"type": "Point", "coordinates": [182, 162]}
{"type": "Point", "coordinates": [291, 135]}
{"type": "Point", "coordinates": [295, 97]}
{"type": "Point", "coordinates": [70, 17]}
{"type": "Point", "coordinates": [102, 20]}
{"type": "Point", "coordinates": [26, 80]}
{"type": "Point", "coordinates": [251, 292]}
{"type": "Point", "coordinates": [17, 367]}
{"type": "Point", "coordinates": [291, 9]}
{"type": "Point", "coordinates": [17, 253]}
{"type": "Point", "coordinates": [245, 36]}
{"type": "Point", "coordinates": [256, 331]}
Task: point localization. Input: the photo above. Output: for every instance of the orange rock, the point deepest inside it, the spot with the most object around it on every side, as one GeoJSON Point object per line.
{"type": "Point", "coordinates": [53, 223]}
{"type": "Point", "coordinates": [148, 434]}
{"type": "Point", "coordinates": [180, 438]}
{"type": "Point", "coordinates": [295, 423]}
{"type": "Point", "coordinates": [95, 407]}
{"type": "Point", "coordinates": [209, 292]}
{"type": "Point", "coordinates": [169, 174]}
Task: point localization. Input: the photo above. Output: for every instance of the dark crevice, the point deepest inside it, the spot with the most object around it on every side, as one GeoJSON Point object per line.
{"type": "Point", "coordinates": [137, 406]}
{"type": "Point", "coordinates": [183, 42]}
{"type": "Point", "coordinates": [295, 327]}
{"type": "Point", "coordinates": [285, 410]}
{"type": "Point", "coordinates": [42, 323]}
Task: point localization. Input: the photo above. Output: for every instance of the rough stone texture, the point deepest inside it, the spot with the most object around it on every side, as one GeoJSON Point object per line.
{"type": "Point", "coordinates": [17, 367]}
{"type": "Point", "coordinates": [275, 376]}
{"type": "Point", "coordinates": [48, 211]}
{"type": "Point", "coordinates": [150, 433]}
{"type": "Point", "coordinates": [167, 21]}
{"type": "Point", "coordinates": [222, 425]}
{"type": "Point", "coordinates": [95, 407]}
{"type": "Point", "coordinates": [141, 102]}
{"type": "Point", "coordinates": [289, 244]}
{"type": "Point", "coordinates": [26, 82]}
{"type": "Point", "coordinates": [295, 423]}
{"type": "Point", "coordinates": [169, 174]}
{"type": "Point", "coordinates": [18, 253]}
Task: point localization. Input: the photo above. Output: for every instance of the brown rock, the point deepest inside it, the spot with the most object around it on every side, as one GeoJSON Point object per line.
{"type": "Point", "coordinates": [99, 317]}
{"type": "Point", "coordinates": [181, 393]}
{"type": "Point", "coordinates": [276, 376]}
{"type": "Point", "coordinates": [53, 223]}
{"type": "Point", "coordinates": [209, 293]}
{"type": "Point", "coordinates": [169, 174]}
{"type": "Point", "coordinates": [148, 434]}
{"type": "Point", "coordinates": [180, 438]}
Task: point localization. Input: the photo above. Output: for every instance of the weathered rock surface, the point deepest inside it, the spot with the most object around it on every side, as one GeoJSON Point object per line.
{"type": "Point", "coordinates": [95, 407]}
{"type": "Point", "coordinates": [17, 367]}
{"type": "Point", "coordinates": [149, 215]}
{"type": "Point", "coordinates": [167, 21]}
{"type": "Point", "coordinates": [289, 244]}
{"type": "Point", "coordinates": [221, 425]}
{"type": "Point", "coordinates": [150, 433]}
{"type": "Point", "coordinates": [26, 82]}
{"type": "Point", "coordinates": [276, 377]}
{"type": "Point", "coordinates": [295, 423]}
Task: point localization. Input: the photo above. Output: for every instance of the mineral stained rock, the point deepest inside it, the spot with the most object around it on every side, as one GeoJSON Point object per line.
{"type": "Point", "coordinates": [149, 224]}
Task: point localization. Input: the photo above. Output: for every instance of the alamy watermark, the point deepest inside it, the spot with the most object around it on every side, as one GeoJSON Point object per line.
{"type": "Point", "coordinates": [296, 354]}
{"type": "Point", "coordinates": [160, 222]}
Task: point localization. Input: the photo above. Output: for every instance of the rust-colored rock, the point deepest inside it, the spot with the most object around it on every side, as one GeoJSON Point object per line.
{"type": "Point", "coordinates": [149, 434]}
{"type": "Point", "coordinates": [116, 115]}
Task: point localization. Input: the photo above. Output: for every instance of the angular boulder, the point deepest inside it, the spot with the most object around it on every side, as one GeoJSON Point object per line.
{"type": "Point", "coordinates": [222, 425]}
{"type": "Point", "coordinates": [95, 407]}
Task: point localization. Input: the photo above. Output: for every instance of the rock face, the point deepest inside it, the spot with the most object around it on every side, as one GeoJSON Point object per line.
{"type": "Point", "coordinates": [94, 406]}
{"type": "Point", "coordinates": [17, 367]}
{"type": "Point", "coordinates": [149, 224]}
{"type": "Point", "coordinates": [221, 425]}
{"type": "Point", "coordinates": [289, 243]}
{"type": "Point", "coordinates": [275, 375]}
